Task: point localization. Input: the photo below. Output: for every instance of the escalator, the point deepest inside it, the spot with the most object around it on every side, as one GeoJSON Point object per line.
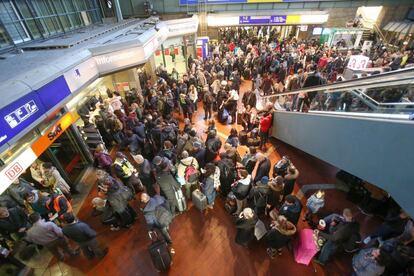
{"type": "Point", "coordinates": [361, 126]}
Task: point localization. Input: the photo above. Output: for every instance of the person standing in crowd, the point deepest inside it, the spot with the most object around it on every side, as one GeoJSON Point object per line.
{"type": "Point", "coordinates": [262, 167]}
{"type": "Point", "coordinates": [58, 205]}
{"type": "Point", "coordinates": [313, 204]}
{"type": "Point", "coordinates": [208, 100]}
{"type": "Point", "coordinates": [265, 125]}
{"type": "Point", "coordinates": [36, 171]}
{"type": "Point", "coordinates": [127, 173]}
{"type": "Point", "coordinates": [103, 159]}
{"type": "Point", "coordinates": [167, 182]}
{"type": "Point", "coordinates": [279, 235]}
{"type": "Point", "coordinates": [13, 221]}
{"type": "Point", "coordinates": [118, 196]}
{"type": "Point", "coordinates": [291, 209]}
{"type": "Point", "coordinates": [210, 178]}
{"type": "Point", "coordinates": [49, 235]}
{"type": "Point", "coordinates": [369, 262]}
{"type": "Point", "coordinates": [187, 172]}
{"type": "Point", "coordinates": [340, 232]}
{"type": "Point", "coordinates": [150, 215]}
{"type": "Point", "coordinates": [54, 181]}
{"type": "Point", "coordinates": [241, 190]}
{"type": "Point", "coordinates": [145, 173]}
{"type": "Point", "coordinates": [290, 179]}
{"type": "Point", "coordinates": [83, 235]}
{"type": "Point", "coordinates": [18, 189]}
{"type": "Point", "coordinates": [245, 226]}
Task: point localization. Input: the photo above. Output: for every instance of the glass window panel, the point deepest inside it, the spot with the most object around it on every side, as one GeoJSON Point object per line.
{"type": "Point", "coordinates": [50, 26]}
{"type": "Point", "coordinates": [58, 6]}
{"type": "Point", "coordinates": [23, 9]}
{"type": "Point", "coordinates": [69, 5]}
{"type": "Point", "coordinates": [65, 22]}
{"type": "Point", "coordinates": [12, 22]}
{"type": "Point", "coordinates": [33, 29]}
{"type": "Point", "coordinates": [4, 39]}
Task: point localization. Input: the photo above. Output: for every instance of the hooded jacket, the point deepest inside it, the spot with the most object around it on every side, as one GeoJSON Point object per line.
{"type": "Point", "coordinates": [291, 212]}
{"type": "Point", "coordinates": [150, 207]}
{"type": "Point", "coordinates": [184, 163]}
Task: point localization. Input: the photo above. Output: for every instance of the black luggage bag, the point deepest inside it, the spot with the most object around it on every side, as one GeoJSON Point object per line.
{"type": "Point", "coordinates": [159, 252]}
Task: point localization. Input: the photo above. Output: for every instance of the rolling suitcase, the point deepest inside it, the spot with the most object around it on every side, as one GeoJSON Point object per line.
{"type": "Point", "coordinates": [159, 252]}
{"type": "Point", "coordinates": [243, 137]}
{"type": "Point", "coordinates": [199, 200]}
{"type": "Point", "coordinates": [181, 201]}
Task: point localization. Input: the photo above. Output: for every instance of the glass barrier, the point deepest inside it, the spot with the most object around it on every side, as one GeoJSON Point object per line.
{"type": "Point", "coordinates": [387, 93]}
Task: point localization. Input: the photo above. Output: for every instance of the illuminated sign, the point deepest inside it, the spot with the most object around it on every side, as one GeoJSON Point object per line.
{"type": "Point", "coordinates": [52, 133]}
{"type": "Point", "coordinates": [214, 2]}
{"type": "Point", "coordinates": [16, 167]}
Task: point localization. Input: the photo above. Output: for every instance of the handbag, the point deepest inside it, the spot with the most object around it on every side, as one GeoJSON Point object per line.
{"type": "Point", "coordinates": [259, 229]}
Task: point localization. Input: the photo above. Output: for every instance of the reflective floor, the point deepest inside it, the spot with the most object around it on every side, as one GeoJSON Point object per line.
{"type": "Point", "coordinates": [205, 244]}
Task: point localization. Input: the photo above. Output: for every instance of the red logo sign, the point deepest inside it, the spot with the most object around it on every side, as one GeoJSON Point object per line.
{"type": "Point", "coordinates": [14, 171]}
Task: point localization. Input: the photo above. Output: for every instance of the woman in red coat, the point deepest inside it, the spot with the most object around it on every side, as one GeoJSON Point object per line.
{"type": "Point", "coordinates": [265, 124]}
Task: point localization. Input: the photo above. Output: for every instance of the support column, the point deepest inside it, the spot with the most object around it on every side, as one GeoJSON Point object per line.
{"type": "Point", "coordinates": [118, 11]}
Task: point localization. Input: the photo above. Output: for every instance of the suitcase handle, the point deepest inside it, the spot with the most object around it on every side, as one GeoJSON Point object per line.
{"type": "Point", "coordinates": [151, 233]}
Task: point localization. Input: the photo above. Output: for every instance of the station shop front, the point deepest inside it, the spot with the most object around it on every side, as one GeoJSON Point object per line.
{"type": "Point", "coordinates": [300, 26]}
{"type": "Point", "coordinates": [179, 46]}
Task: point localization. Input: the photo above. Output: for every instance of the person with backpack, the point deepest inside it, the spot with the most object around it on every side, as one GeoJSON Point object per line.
{"type": "Point", "coordinates": [213, 145]}
{"type": "Point", "coordinates": [127, 173]}
{"type": "Point", "coordinates": [241, 189]}
{"type": "Point", "coordinates": [187, 172]}
{"type": "Point", "coordinates": [118, 195]}
{"type": "Point", "coordinates": [103, 159]}
{"type": "Point", "coordinates": [210, 183]}
{"type": "Point", "coordinates": [157, 216]}
{"type": "Point", "coordinates": [249, 160]}
{"type": "Point", "coordinates": [259, 195]}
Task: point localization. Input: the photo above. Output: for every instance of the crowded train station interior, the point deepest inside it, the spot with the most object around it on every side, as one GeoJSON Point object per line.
{"type": "Point", "coordinates": [207, 137]}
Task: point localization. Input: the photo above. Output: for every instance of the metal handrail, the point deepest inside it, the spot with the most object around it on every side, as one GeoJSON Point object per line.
{"type": "Point", "coordinates": [401, 75]}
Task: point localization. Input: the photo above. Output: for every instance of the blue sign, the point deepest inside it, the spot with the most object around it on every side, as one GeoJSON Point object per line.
{"type": "Point", "coordinates": [20, 114]}
{"type": "Point", "coordinates": [53, 93]}
{"type": "Point", "coordinates": [261, 20]}
{"type": "Point", "coordinates": [277, 19]}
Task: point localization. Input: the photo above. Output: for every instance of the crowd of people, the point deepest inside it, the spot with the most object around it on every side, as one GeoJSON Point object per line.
{"type": "Point", "coordinates": [164, 164]}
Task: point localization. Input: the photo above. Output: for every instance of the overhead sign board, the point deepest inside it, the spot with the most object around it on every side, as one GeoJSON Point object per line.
{"type": "Point", "coordinates": [358, 62]}
{"type": "Point", "coordinates": [18, 115]}
{"type": "Point", "coordinates": [81, 74]}
{"type": "Point", "coordinates": [214, 2]}
{"type": "Point", "coordinates": [262, 20]}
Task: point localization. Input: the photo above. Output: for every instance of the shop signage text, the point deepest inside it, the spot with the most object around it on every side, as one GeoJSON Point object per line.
{"type": "Point", "coordinates": [11, 172]}
{"type": "Point", "coordinates": [52, 134]}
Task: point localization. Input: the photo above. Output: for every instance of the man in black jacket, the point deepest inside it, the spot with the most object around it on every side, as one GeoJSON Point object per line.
{"type": "Point", "coordinates": [262, 167]}
{"type": "Point", "coordinates": [83, 235]}
{"type": "Point", "coordinates": [13, 220]}
{"type": "Point", "coordinates": [340, 233]}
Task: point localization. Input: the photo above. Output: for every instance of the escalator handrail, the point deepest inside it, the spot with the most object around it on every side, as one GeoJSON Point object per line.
{"type": "Point", "coordinates": [383, 78]}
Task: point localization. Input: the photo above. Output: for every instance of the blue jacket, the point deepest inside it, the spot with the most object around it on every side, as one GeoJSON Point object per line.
{"type": "Point", "coordinates": [365, 265]}
{"type": "Point", "coordinates": [150, 207]}
{"type": "Point", "coordinates": [314, 203]}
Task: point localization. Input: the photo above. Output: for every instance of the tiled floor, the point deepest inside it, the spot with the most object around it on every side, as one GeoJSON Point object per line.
{"type": "Point", "coordinates": [205, 243]}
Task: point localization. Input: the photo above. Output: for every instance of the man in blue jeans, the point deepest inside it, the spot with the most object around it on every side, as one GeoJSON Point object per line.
{"type": "Point", "coordinates": [340, 232]}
